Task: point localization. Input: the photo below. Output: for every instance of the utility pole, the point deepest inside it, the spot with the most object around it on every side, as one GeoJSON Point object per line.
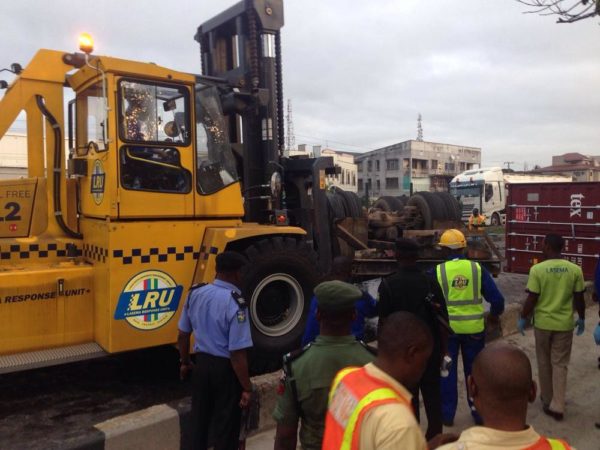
{"type": "Point", "coordinates": [290, 139]}
{"type": "Point", "coordinates": [508, 163]}
{"type": "Point", "coordinates": [419, 128]}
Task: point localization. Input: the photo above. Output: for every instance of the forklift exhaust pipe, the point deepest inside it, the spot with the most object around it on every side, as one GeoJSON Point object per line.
{"type": "Point", "coordinates": [56, 169]}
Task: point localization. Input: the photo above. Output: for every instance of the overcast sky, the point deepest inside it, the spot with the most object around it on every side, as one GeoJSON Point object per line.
{"type": "Point", "coordinates": [358, 73]}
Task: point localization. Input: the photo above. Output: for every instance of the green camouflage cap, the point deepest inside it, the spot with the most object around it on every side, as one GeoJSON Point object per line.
{"type": "Point", "coordinates": [336, 295]}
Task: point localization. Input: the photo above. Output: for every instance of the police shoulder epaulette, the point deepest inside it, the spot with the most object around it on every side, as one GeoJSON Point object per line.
{"type": "Point", "coordinates": [241, 302]}
{"type": "Point", "coordinates": [368, 348]}
{"type": "Point", "coordinates": [197, 286]}
{"type": "Point", "coordinates": [292, 356]}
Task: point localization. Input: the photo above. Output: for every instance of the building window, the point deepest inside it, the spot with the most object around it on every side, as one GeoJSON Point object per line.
{"type": "Point", "coordinates": [392, 164]}
{"type": "Point", "coordinates": [369, 166]}
{"type": "Point", "coordinates": [434, 165]}
{"type": "Point", "coordinates": [360, 185]}
{"type": "Point", "coordinates": [378, 185]}
{"type": "Point", "coordinates": [353, 179]}
{"type": "Point", "coordinates": [359, 166]}
{"type": "Point", "coordinates": [391, 183]}
{"type": "Point", "coordinates": [377, 165]}
{"type": "Point", "coordinates": [449, 167]}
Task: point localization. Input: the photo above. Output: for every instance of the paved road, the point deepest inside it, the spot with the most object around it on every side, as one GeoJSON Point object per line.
{"type": "Point", "coordinates": [40, 409]}
{"type": "Point", "coordinates": [583, 395]}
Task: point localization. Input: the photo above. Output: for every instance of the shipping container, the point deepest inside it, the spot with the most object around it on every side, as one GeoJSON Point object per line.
{"type": "Point", "coordinates": [571, 210]}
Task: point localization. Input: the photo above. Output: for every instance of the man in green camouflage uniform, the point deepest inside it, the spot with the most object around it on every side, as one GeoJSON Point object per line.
{"type": "Point", "coordinates": [310, 371]}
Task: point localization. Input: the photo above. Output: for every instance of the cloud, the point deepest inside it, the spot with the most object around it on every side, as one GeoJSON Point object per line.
{"type": "Point", "coordinates": [482, 73]}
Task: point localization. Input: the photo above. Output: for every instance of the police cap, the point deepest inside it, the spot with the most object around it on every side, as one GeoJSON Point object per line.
{"type": "Point", "coordinates": [230, 262]}
{"type": "Point", "coordinates": [336, 295]}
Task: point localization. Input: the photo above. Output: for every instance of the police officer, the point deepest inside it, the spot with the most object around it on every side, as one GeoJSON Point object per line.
{"type": "Point", "coordinates": [464, 283]}
{"type": "Point", "coordinates": [217, 315]}
{"type": "Point", "coordinates": [309, 373]}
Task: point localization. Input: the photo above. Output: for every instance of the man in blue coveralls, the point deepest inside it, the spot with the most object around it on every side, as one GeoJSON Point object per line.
{"type": "Point", "coordinates": [217, 315]}
{"type": "Point", "coordinates": [366, 306]}
{"type": "Point", "coordinates": [464, 283]}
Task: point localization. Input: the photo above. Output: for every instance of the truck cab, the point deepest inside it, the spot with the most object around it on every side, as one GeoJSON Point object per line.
{"type": "Point", "coordinates": [483, 189]}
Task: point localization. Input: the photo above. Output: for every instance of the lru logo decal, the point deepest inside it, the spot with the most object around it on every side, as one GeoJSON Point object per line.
{"type": "Point", "coordinates": [460, 282]}
{"type": "Point", "coordinates": [149, 300]}
{"type": "Point", "coordinates": [576, 205]}
{"type": "Point", "coordinates": [97, 182]}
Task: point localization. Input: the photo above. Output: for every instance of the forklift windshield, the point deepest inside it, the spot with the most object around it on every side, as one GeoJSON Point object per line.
{"type": "Point", "coordinates": [215, 161]}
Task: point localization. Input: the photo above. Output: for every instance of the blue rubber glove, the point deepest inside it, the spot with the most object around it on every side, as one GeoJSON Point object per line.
{"type": "Point", "coordinates": [521, 324]}
{"type": "Point", "coordinates": [597, 334]}
{"type": "Point", "coordinates": [580, 324]}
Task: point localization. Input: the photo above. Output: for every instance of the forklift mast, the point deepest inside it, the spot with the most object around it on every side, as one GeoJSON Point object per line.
{"type": "Point", "coordinates": [243, 46]}
{"type": "Point", "coordinates": [240, 50]}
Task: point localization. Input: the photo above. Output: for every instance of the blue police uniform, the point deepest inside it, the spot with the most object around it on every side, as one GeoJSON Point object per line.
{"type": "Point", "coordinates": [366, 307]}
{"type": "Point", "coordinates": [217, 316]}
{"type": "Point", "coordinates": [218, 322]}
{"type": "Point", "coordinates": [469, 345]}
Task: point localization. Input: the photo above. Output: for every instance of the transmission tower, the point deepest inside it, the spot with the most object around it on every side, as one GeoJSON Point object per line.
{"type": "Point", "coordinates": [419, 128]}
{"type": "Point", "coordinates": [290, 139]}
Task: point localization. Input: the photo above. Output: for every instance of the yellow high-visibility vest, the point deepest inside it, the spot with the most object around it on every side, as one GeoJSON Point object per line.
{"type": "Point", "coordinates": [460, 280]}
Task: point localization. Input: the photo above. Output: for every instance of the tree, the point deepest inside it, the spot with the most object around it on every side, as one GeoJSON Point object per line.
{"type": "Point", "coordinates": [568, 11]}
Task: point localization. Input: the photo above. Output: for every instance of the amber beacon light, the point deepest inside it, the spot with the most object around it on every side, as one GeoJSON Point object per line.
{"type": "Point", "coordinates": [86, 43]}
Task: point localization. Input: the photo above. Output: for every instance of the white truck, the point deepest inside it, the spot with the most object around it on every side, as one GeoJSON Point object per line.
{"type": "Point", "coordinates": [486, 190]}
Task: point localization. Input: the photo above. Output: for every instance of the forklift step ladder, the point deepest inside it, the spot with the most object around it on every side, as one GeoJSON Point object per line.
{"type": "Point", "coordinates": [51, 357]}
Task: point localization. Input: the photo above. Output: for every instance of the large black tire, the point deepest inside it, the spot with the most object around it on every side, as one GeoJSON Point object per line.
{"type": "Point", "coordinates": [336, 206]}
{"type": "Point", "coordinates": [402, 199]}
{"type": "Point", "coordinates": [350, 201]}
{"type": "Point", "coordinates": [418, 201]}
{"type": "Point", "coordinates": [388, 203]}
{"type": "Point", "coordinates": [436, 206]}
{"type": "Point", "coordinates": [451, 205]}
{"type": "Point", "coordinates": [457, 208]}
{"type": "Point", "coordinates": [447, 207]}
{"type": "Point", "coordinates": [277, 284]}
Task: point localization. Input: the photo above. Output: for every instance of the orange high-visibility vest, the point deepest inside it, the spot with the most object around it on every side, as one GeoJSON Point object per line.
{"type": "Point", "coordinates": [545, 443]}
{"type": "Point", "coordinates": [352, 394]}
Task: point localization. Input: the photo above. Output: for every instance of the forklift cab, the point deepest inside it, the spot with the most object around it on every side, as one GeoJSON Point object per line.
{"type": "Point", "coordinates": [158, 149]}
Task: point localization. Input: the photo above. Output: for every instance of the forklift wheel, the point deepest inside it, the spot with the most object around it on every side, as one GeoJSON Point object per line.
{"type": "Point", "coordinates": [278, 284]}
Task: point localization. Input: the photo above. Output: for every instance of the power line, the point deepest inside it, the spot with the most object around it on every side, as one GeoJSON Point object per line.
{"type": "Point", "coordinates": [319, 139]}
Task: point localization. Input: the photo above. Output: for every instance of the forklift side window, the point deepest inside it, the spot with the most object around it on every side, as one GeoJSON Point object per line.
{"type": "Point", "coordinates": [153, 113]}
{"type": "Point", "coordinates": [153, 169]}
{"type": "Point", "coordinates": [215, 162]}
{"type": "Point", "coordinates": [90, 111]}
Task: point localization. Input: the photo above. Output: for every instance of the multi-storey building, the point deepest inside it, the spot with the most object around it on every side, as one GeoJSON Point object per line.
{"type": "Point", "coordinates": [579, 167]}
{"type": "Point", "coordinates": [426, 166]}
{"type": "Point", "coordinates": [13, 155]}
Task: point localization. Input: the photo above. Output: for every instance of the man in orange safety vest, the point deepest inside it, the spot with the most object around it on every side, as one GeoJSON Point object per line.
{"type": "Point", "coordinates": [370, 406]}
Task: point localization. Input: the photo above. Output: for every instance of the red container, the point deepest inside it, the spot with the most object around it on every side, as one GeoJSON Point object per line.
{"type": "Point", "coordinates": [569, 209]}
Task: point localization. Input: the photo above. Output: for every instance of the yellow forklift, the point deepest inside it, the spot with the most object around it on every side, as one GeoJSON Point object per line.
{"type": "Point", "coordinates": [100, 244]}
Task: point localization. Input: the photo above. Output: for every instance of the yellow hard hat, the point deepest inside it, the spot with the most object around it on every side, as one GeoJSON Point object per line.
{"type": "Point", "coordinates": [453, 238]}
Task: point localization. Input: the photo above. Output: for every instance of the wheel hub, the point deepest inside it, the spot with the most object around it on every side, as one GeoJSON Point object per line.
{"type": "Point", "coordinates": [277, 304]}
